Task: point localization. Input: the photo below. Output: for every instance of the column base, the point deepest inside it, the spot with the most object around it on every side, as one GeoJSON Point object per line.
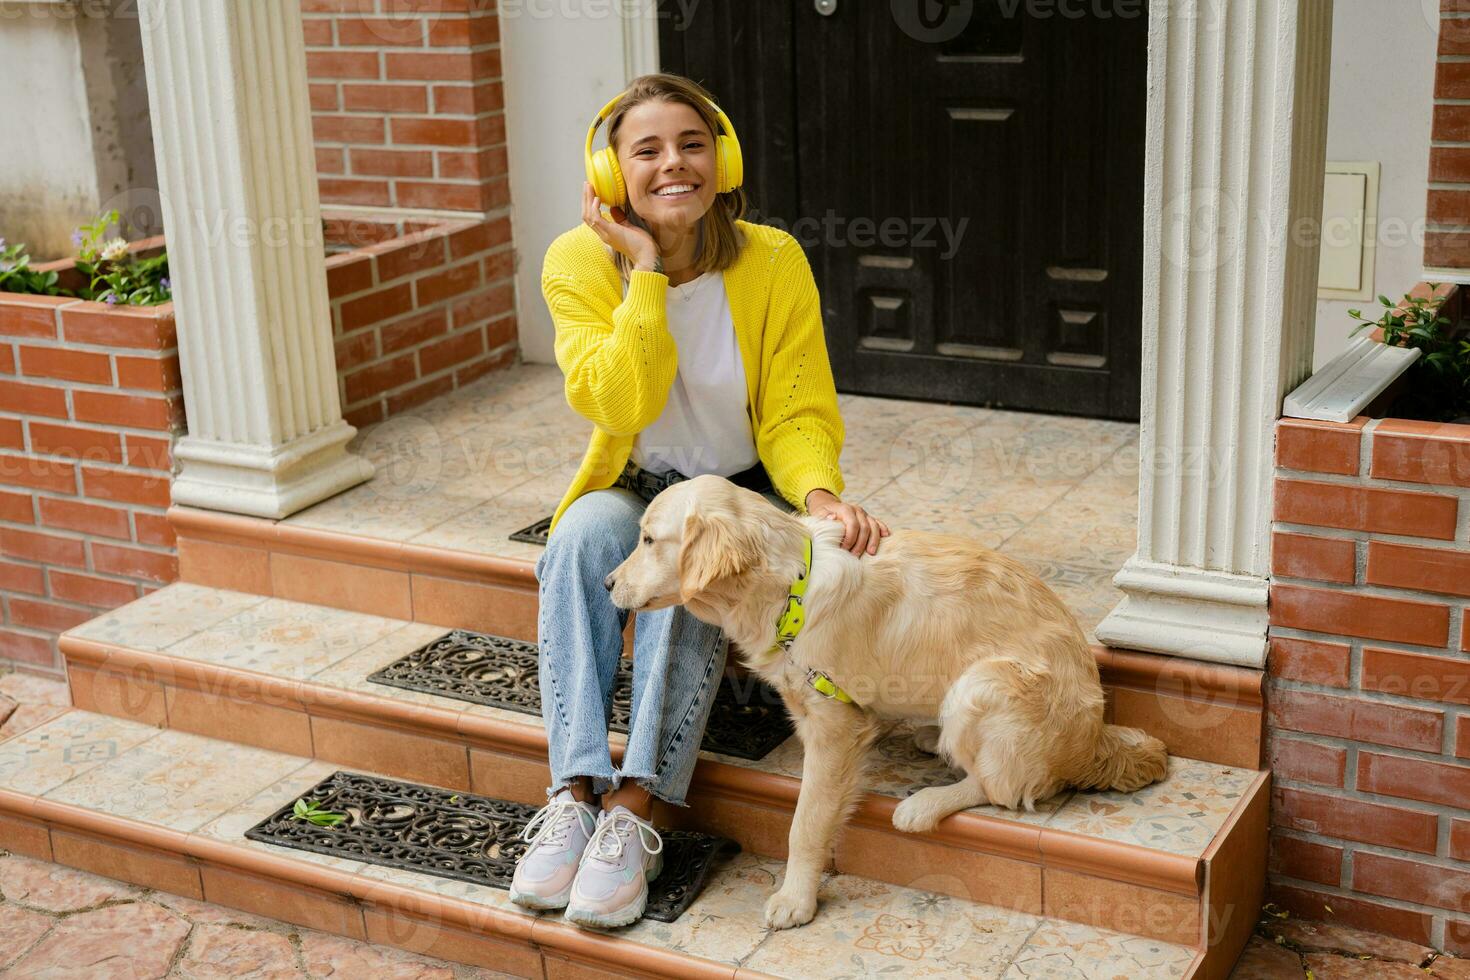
{"type": "Point", "coordinates": [268, 482]}
{"type": "Point", "coordinates": [1218, 617]}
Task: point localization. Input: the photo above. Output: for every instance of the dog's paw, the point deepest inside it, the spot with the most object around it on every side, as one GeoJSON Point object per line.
{"type": "Point", "coordinates": [787, 909]}
{"type": "Point", "coordinates": [926, 739]}
{"type": "Point", "coordinates": [913, 816]}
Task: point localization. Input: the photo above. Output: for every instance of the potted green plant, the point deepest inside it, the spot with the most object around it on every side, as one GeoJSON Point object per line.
{"type": "Point", "coordinates": [1436, 387]}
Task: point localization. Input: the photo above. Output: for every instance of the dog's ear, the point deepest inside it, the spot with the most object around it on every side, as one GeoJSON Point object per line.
{"type": "Point", "coordinates": [715, 545]}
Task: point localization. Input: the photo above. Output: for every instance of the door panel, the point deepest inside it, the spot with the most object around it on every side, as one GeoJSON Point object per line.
{"type": "Point", "coordinates": [970, 199]}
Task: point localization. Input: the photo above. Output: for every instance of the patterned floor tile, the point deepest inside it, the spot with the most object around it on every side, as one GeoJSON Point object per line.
{"type": "Point", "coordinates": [726, 922]}
{"type": "Point", "coordinates": [384, 510]}
{"type": "Point", "coordinates": [176, 780]}
{"type": "Point", "coordinates": [869, 928]}
{"type": "Point", "coordinates": [486, 527]}
{"type": "Point", "coordinates": [285, 638]}
{"type": "Point", "coordinates": [986, 517]}
{"type": "Point", "coordinates": [231, 826]}
{"type": "Point", "coordinates": [1069, 950]}
{"type": "Point", "coordinates": [467, 891]}
{"type": "Point", "coordinates": [1081, 529]}
{"type": "Point", "coordinates": [43, 758]}
{"type": "Point", "coordinates": [1179, 815]}
{"type": "Point", "coordinates": [468, 469]}
{"type": "Point", "coordinates": [165, 616]}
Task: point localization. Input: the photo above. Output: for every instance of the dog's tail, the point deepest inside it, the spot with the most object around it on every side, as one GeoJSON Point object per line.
{"type": "Point", "coordinates": [1125, 759]}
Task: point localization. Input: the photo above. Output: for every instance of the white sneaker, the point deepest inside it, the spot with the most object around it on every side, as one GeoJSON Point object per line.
{"type": "Point", "coordinates": [623, 856]}
{"type": "Point", "coordinates": [558, 835]}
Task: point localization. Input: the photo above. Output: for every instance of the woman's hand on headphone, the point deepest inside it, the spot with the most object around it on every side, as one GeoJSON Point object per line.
{"type": "Point", "coordinates": [632, 241]}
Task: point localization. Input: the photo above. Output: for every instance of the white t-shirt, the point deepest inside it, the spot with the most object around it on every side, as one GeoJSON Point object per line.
{"type": "Point", "coordinates": [705, 426]}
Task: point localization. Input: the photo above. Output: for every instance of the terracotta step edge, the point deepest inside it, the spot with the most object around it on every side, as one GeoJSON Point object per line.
{"type": "Point", "coordinates": [465, 915]}
{"type": "Point", "coordinates": [1153, 673]}
{"type": "Point", "coordinates": [254, 532]}
{"type": "Point", "coordinates": [1161, 674]}
{"type": "Point", "coordinates": [1114, 860]}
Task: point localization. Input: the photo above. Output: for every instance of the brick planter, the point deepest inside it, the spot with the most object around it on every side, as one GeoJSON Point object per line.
{"type": "Point", "coordinates": [91, 400]}
{"type": "Point", "coordinates": [1369, 688]}
{"type": "Point", "coordinates": [92, 403]}
{"type": "Point", "coordinates": [418, 309]}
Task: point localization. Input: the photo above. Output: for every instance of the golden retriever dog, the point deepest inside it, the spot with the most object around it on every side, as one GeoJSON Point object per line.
{"type": "Point", "coordinates": [934, 627]}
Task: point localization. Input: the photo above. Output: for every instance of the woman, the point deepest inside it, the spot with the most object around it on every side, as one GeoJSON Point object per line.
{"type": "Point", "coordinates": [693, 342]}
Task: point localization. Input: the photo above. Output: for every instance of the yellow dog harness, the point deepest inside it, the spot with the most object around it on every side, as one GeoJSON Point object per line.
{"type": "Point", "coordinates": [790, 622]}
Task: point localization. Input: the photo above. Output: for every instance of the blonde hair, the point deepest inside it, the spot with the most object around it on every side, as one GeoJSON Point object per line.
{"type": "Point", "coordinates": [719, 240]}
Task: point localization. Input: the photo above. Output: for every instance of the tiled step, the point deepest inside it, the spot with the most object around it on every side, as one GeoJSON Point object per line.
{"type": "Point", "coordinates": [1202, 711]}
{"type": "Point", "coordinates": [168, 810]}
{"type": "Point", "coordinates": [1180, 861]}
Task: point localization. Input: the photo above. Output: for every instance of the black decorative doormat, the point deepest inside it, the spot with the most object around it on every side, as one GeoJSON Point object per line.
{"type": "Point", "coordinates": [535, 533]}
{"type": "Point", "coordinates": [747, 721]}
{"type": "Point", "coordinates": [457, 835]}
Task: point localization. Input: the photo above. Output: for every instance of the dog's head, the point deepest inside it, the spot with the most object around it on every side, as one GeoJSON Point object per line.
{"type": "Point", "coordinates": [696, 537]}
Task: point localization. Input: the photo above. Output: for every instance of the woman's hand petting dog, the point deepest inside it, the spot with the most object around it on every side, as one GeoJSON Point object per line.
{"type": "Point", "coordinates": [861, 529]}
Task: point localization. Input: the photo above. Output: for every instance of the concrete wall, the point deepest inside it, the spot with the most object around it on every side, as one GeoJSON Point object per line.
{"type": "Point", "coordinates": [1383, 59]}
{"type": "Point", "coordinates": [76, 137]}
{"type": "Point", "coordinates": [559, 70]}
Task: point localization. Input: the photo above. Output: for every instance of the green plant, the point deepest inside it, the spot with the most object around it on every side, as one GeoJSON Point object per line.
{"type": "Point", "coordinates": [113, 274]}
{"type": "Point", "coordinates": [16, 274]}
{"type": "Point", "coordinates": [1438, 383]}
{"type": "Point", "coordinates": [311, 811]}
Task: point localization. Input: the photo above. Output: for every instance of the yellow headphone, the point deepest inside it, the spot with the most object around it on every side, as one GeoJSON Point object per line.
{"type": "Point", "coordinates": [606, 176]}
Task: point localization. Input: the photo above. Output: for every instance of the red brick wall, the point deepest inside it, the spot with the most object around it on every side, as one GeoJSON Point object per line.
{"type": "Point", "coordinates": [408, 105]}
{"type": "Point", "coordinates": [1369, 687]}
{"type": "Point", "coordinates": [1446, 244]}
{"type": "Point", "coordinates": [419, 310]}
{"type": "Point", "coordinates": [90, 403]}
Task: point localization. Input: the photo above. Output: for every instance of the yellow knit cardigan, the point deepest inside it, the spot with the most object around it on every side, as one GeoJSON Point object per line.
{"type": "Point", "coordinates": [619, 358]}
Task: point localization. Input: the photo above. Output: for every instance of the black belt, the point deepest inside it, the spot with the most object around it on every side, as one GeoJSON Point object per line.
{"type": "Point", "coordinates": [648, 485]}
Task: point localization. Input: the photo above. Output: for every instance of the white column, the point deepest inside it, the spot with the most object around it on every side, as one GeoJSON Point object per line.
{"type": "Point", "coordinates": [237, 175]}
{"type": "Point", "coordinates": [1237, 113]}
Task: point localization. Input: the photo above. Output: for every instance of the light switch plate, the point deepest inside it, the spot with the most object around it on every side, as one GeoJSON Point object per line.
{"type": "Point", "coordinates": [1349, 231]}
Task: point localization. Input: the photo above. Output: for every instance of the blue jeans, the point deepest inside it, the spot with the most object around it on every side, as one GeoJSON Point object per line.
{"type": "Point", "coordinates": [677, 660]}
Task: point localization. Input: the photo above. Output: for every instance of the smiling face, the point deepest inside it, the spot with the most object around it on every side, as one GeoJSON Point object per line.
{"type": "Point", "coordinates": [667, 156]}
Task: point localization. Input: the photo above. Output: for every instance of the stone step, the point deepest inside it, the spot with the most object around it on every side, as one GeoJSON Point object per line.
{"type": "Point", "coordinates": [168, 810]}
{"type": "Point", "coordinates": [1181, 861]}
{"type": "Point", "coordinates": [1202, 711]}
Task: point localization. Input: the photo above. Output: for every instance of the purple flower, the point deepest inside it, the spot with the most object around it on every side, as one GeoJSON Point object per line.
{"type": "Point", "coordinates": [110, 300]}
{"type": "Point", "coordinates": [166, 283]}
{"type": "Point", "coordinates": [76, 238]}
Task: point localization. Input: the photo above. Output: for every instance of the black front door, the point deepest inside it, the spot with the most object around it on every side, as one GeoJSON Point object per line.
{"type": "Point", "coordinates": [966, 177]}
